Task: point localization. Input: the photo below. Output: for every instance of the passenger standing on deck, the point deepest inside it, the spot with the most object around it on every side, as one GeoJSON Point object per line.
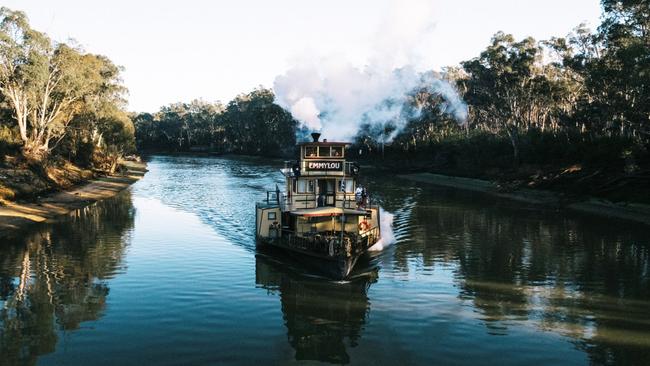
{"type": "Point", "coordinates": [358, 196]}
{"type": "Point", "coordinates": [364, 198]}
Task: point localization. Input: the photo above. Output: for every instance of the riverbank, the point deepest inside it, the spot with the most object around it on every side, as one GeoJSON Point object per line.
{"type": "Point", "coordinates": [621, 210]}
{"type": "Point", "coordinates": [16, 216]}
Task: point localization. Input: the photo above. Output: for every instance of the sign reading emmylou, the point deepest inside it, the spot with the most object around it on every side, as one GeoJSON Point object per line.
{"type": "Point", "coordinates": [325, 165]}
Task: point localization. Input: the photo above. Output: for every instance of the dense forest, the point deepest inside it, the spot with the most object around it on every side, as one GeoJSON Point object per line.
{"type": "Point", "coordinates": [564, 113]}
{"type": "Point", "coordinates": [249, 124]}
{"type": "Point", "coordinates": [544, 113]}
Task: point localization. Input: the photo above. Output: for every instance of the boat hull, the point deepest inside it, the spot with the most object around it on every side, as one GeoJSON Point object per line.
{"type": "Point", "coordinates": [336, 268]}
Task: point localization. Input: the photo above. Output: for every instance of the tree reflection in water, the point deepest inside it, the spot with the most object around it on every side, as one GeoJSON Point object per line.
{"type": "Point", "coordinates": [584, 278]}
{"type": "Point", "coordinates": [54, 278]}
{"type": "Point", "coordinates": [323, 318]}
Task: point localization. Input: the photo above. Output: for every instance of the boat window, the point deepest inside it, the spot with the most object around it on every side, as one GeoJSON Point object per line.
{"type": "Point", "coordinates": [295, 185]}
{"type": "Point", "coordinates": [337, 151]}
{"type": "Point", "coordinates": [302, 186]}
{"type": "Point", "coordinates": [310, 151]}
{"type": "Point", "coordinates": [330, 186]}
{"type": "Point", "coordinates": [305, 186]}
{"type": "Point", "coordinates": [320, 220]}
{"type": "Point", "coordinates": [271, 215]}
{"type": "Point", "coordinates": [324, 151]}
{"type": "Point", "coordinates": [346, 185]}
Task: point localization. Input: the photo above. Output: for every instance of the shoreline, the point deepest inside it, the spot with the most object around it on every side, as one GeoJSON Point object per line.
{"type": "Point", "coordinates": [17, 216]}
{"type": "Point", "coordinates": [626, 211]}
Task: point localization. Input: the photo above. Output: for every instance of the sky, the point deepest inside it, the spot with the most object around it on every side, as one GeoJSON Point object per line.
{"type": "Point", "coordinates": [177, 51]}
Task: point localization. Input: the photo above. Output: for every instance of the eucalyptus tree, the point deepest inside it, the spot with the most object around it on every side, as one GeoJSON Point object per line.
{"type": "Point", "coordinates": [621, 76]}
{"type": "Point", "coordinates": [46, 83]}
{"type": "Point", "coordinates": [100, 123]}
{"type": "Point", "coordinates": [22, 51]}
{"type": "Point", "coordinates": [511, 89]}
{"type": "Point", "coordinates": [254, 124]}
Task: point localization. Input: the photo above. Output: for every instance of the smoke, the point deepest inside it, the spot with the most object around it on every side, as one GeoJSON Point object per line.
{"type": "Point", "coordinates": [386, 227]}
{"type": "Point", "coordinates": [337, 98]}
{"type": "Point", "coordinates": [305, 110]}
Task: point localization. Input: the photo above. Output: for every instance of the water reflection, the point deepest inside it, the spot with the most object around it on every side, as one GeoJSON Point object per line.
{"type": "Point", "coordinates": [323, 318]}
{"type": "Point", "coordinates": [471, 280]}
{"type": "Point", "coordinates": [584, 278]}
{"type": "Point", "coordinates": [54, 279]}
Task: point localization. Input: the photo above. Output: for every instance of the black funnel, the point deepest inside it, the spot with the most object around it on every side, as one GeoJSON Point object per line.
{"type": "Point", "coordinates": [315, 136]}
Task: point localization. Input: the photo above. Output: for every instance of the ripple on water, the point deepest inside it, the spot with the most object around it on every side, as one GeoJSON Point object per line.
{"type": "Point", "coordinates": [167, 273]}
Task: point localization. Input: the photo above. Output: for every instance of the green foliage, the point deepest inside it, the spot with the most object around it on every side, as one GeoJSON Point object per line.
{"type": "Point", "coordinates": [583, 99]}
{"type": "Point", "coordinates": [250, 124]}
{"type": "Point", "coordinates": [8, 143]}
{"type": "Point", "coordinates": [61, 100]}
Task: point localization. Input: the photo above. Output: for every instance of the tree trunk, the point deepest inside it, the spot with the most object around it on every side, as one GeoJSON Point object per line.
{"type": "Point", "coordinates": [513, 134]}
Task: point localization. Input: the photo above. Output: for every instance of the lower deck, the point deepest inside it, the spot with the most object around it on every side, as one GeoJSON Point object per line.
{"type": "Point", "coordinates": [328, 232]}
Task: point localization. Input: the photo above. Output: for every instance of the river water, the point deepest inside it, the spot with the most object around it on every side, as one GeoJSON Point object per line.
{"type": "Point", "coordinates": [167, 273]}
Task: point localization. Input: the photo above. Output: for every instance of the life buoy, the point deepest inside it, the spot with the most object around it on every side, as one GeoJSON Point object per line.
{"type": "Point", "coordinates": [364, 225]}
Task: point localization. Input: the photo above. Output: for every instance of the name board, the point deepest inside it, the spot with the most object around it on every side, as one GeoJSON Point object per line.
{"type": "Point", "coordinates": [325, 165]}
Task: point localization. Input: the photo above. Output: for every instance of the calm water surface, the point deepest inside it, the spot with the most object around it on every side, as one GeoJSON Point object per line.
{"type": "Point", "coordinates": [167, 273]}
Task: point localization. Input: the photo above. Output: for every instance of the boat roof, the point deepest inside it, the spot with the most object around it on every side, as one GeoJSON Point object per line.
{"type": "Point", "coordinates": [327, 211]}
{"type": "Point", "coordinates": [322, 143]}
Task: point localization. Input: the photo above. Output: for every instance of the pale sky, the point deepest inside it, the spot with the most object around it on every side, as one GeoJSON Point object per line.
{"type": "Point", "coordinates": [176, 51]}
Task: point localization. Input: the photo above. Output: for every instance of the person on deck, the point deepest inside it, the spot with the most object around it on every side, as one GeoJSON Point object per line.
{"type": "Point", "coordinates": [364, 198]}
{"type": "Point", "coordinates": [358, 196]}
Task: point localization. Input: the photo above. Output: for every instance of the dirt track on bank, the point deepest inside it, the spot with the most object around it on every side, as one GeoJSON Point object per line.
{"type": "Point", "coordinates": [16, 216]}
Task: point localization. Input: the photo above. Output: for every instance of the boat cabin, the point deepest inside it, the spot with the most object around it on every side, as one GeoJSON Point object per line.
{"type": "Point", "coordinates": [321, 177]}
{"type": "Point", "coordinates": [320, 208]}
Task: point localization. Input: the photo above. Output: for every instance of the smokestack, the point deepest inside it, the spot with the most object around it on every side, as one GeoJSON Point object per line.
{"type": "Point", "coordinates": [315, 136]}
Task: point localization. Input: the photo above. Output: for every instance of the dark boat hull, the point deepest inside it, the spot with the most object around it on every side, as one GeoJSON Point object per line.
{"type": "Point", "coordinates": [336, 268]}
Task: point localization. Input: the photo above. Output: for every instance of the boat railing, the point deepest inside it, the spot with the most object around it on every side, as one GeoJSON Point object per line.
{"type": "Point", "coordinates": [332, 243]}
{"type": "Point", "coordinates": [274, 197]}
{"type": "Point", "coordinates": [348, 168]}
{"type": "Point", "coordinates": [308, 201]}
{"type": "Point", "coordinates": [371, 236]}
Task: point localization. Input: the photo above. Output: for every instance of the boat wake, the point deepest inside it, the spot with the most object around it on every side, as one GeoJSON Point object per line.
{"type": "Point", "coordinates": [389, 222]}
{"type": "Point", "coordinates": [386, 227]}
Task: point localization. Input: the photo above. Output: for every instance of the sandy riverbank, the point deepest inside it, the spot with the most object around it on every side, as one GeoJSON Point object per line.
{"type": "Point", "coordinates": [16, 216]}
{"type": "Point", "coordinates": [627, 211]}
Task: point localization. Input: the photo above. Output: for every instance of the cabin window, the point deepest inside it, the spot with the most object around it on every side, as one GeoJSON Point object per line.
{"type": "Point", "coordinates": [324, 151]}
{"type": "Point", "coordinates": [346, 185]}
{"type": "Point", "coordinates": [271, 215]}
{"type": "Point", "coordinates": [330, 186]}
{"type": "Point", "coordinates": [310, 151]}
{"type": "Point", "coordinates": [337, 151]}
{"type": "Point", "coordinates": [305, 186]}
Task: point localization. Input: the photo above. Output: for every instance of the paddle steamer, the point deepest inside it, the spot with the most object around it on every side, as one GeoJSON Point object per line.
{"type": "Point", "coordinates": [321, 217]}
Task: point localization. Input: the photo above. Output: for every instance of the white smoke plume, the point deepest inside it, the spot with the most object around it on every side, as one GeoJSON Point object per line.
{"type": "Point", "coordinates": [336, 98]}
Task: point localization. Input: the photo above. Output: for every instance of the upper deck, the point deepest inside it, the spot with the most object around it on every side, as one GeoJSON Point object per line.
{"type": "Point", "coordinates": [320, 158]}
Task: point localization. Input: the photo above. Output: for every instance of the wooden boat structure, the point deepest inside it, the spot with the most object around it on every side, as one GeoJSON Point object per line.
{"type": "Point", "coordinates": [319, 218]}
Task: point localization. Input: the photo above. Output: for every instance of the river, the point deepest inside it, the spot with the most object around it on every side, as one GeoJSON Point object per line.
{"type": "Point", "coordinates": [167, 273]}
